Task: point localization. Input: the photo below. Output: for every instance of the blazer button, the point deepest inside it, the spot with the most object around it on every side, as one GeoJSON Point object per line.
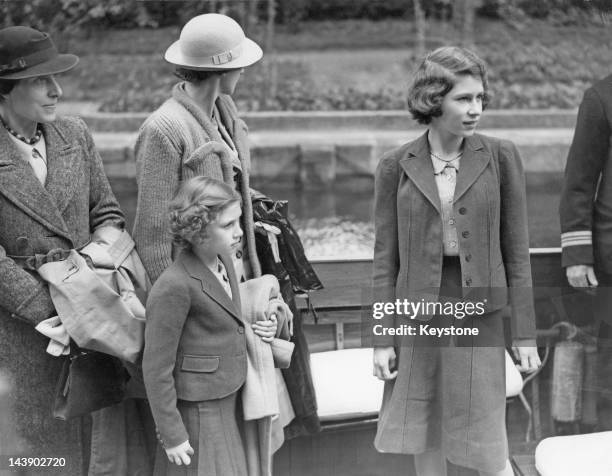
{"type": "Point", "coordinates": [465, 234]}
{"type": "Point", "coordinates": [468, 258]}
{"type": "Point", "coordinates": [462, 211]}
{"type": "Point", "coordinates": [241, 330]}
{"type": "Point", "coordinates": [468, 282]}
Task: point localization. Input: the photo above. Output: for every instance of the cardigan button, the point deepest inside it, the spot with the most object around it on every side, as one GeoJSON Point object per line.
{"type": "Point", "coordinates": [462, 211]}
{"type": "Point", "coordinates": [241, 330]}
{"type": "Point", "coordinates": [465, 234]}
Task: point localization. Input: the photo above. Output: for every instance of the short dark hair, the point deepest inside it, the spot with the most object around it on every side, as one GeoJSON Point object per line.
{"type": "Point", "coordinates": [193, 75]}
{"type": "Point", "coordinates": [437, 75]}
{"type": "Point", "coordinates": [197, 203]}
{"type": "Point", "coordinates": [7, 85]}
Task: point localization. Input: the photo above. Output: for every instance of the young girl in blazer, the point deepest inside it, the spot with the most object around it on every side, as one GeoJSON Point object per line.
{"type": "Point", "coordinates": [194, 360]}
{"type": "Point", "coordinates": [451, 220]}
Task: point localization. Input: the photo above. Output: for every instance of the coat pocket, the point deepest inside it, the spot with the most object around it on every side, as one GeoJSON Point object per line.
{"type": "Point", "coordinates": [200, 363]}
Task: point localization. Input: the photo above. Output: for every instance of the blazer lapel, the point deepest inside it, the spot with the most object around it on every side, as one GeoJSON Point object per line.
{"type": "Point", "coordinates": [417, 165]}
{"type": "Point", "coordinates": [209, 282]}
{"type": "Point", "coordinates": [62, 166]}
{"type": "Point", "coordinates": [231, 274]}
{"type": "Point", "coordinates": [473, 162]}
{"type": "Point", "coordinates": [19, 185]}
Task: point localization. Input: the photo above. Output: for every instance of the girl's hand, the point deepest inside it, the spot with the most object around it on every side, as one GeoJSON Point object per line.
{"type": "Point", "coordinates": [266, 329]}
{"type": "Point", "coordinates": [384, 361]}
{"type": "Point", "coordinates": [180, 454]}
{"type": "Point", "coordinates": [528, 358]}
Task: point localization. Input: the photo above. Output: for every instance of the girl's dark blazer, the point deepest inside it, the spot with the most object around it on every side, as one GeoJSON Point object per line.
{"type": "Point", "coordinates": [491, 218]}
{"type": "Point", "coordinates": [195, 346]}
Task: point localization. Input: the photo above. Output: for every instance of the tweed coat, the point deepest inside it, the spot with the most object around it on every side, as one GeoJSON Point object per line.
{"type": "Point", "coordinates": [75, 200]}
{"type": "Point", "coordinates": [586, 198]}
{"type": "Point", "coordinates": [491, 218]}
{"type": "Point", "coordinates": [195, 344]}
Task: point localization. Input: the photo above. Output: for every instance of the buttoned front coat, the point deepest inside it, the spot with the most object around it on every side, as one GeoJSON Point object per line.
{"type": "Point", "coordinates": [35, 219]}
{"type": "Point", "coordinates": [491, 218]}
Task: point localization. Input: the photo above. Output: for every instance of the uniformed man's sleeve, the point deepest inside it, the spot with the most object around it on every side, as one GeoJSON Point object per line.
{"type": "Point", "coordinates": [585, 162]}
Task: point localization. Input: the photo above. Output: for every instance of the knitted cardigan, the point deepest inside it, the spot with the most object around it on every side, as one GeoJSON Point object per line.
{"type": "Point", "coordinates": [176, 142]}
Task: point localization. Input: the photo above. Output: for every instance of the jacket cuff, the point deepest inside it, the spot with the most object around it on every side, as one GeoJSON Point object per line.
{"type": "Point", "coordinates": [523, 343]}
{"type": "Point", "coordinates": [572, 255]}
{"type": "Point", "coordinates": [37, 307]}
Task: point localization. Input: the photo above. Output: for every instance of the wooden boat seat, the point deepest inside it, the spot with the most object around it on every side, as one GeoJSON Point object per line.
{"type": "Point", "coordinates": [575, 455]}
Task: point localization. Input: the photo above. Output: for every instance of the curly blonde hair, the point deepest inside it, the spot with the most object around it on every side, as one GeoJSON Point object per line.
{"type": "Point", "coordinates": [197, 203]}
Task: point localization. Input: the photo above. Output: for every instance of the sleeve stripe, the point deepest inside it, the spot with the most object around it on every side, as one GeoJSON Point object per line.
{"type": "Point", "coordinates": [576, 238]}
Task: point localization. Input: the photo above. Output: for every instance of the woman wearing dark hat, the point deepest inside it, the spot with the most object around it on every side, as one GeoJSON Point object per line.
{"type": "Point", "coordinates": [53, 195]}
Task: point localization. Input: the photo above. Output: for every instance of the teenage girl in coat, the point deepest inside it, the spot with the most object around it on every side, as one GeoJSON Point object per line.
{"type": "Point", "coordinates": [451, 217]}
{"type": "Point", "coordinates": [194, 361]}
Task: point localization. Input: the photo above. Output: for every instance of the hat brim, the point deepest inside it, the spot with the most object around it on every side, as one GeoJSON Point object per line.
{"type": "Point", "coordinates": [251, 53]}
{"type": "Point", "coordinates": [59, 64]}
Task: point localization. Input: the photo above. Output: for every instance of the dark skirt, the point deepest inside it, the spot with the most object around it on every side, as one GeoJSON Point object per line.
{"type": "Point", "coordinates": [449, 395]}
{"type": "Point", "coordinates": [215, 437]}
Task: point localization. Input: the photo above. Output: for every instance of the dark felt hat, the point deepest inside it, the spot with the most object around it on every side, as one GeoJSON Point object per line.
{"type": "Point", "coordinates": [27, 53]}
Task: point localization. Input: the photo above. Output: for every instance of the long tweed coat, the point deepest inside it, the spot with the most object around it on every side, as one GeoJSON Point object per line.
{"type": "Point", "coordinates": [75, 200]}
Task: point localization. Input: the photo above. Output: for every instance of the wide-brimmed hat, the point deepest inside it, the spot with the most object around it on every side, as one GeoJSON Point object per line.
{"type": "Point", "coordinates": [213, 42]}
{"type": "Point", "coordinates": [27, 53]}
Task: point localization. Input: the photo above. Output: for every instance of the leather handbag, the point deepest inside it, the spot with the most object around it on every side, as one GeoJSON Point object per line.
{"type": "Point", "coordinates": [88, 382]}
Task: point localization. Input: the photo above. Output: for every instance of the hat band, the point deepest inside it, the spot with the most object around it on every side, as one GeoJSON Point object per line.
{"type": "Point", "coordinates": [218, 59]}
{"type": "Point", "coordinates": [24, 62]}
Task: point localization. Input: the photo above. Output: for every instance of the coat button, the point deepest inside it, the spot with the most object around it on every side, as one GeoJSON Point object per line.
{"type": "Point", "coordinates": [462, 211]}
{"type": "Point", "coordinates": [468, 282]}
{"type": "Point", "coordinates": [239, 254]}
{"type": "Point", "coordinates": [468, 258]}
{"type": "Point", "coordinates": [22, 242]}
{"type": "Point", "coordinates": [465, 234]}
{"type": "Point", "coordinates": [241, 330]}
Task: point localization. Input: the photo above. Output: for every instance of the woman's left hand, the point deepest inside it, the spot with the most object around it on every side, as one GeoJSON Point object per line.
{"type": "Point", "coordinates": [266, 329]}
{"type": "Point", "coordinates": [528, 358]}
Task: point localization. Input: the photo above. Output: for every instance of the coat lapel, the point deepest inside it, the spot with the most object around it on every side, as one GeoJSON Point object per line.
{"type": "Point", "coordinates": [417, 165]}
{"type": "Point", "coordinates": [210, 284]}
{"type": "Point", "coordinates": [19, 185]}
{"type": "Point", "coordinates": [473, 162]}
{"type": "Point", "coordinates": [62, 166]}
{"type": "Point", "coordinates": [231, 274]}
{"type": "Point", "coordinates": [238, 129]}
